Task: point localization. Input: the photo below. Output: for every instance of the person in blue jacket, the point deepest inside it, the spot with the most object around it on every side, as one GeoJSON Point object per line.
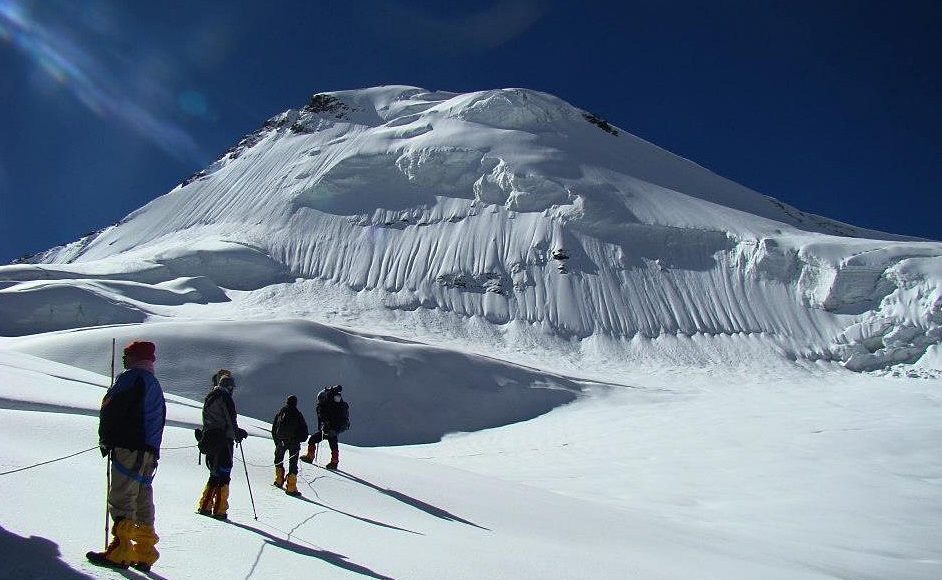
{"type": "Point", "coordinates": [130, 428]}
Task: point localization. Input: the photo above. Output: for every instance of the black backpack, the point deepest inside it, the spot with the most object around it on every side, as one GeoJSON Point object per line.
{"type": "Point", "coordinates": [286, 424]}
{"type": "Point", "coordinates": [336, 415]}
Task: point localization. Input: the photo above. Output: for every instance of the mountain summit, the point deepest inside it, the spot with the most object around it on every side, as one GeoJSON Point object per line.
{"type": "Point", "coordinates": [501, 215]}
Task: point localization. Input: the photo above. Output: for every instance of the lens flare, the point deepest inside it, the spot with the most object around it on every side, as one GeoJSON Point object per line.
{"type": "Point", "coordinates": [193, 103]}
{"type": "Point", "coordinates": [90, 82]}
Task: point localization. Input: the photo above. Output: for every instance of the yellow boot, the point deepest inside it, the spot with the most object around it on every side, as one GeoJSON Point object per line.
{"type": "Point", "coordinates": [221, 506]}
{"type": "Point", "coordinates": [120, 552]}
{"type": "Point", "coordinates": [292, 487]}
{"type": "Point", "coordinates": [205, 507]}
{"type": "Point", "coordinates": [145, 552]}
{"type": "Point", "coordinates": [311, 453]}
{"type": "Point", "coordinates": [279, 476]}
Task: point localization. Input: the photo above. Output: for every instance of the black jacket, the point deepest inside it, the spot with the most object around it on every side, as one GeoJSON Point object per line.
{"type": "Point", "coordinates": [289, 425]}
{"type": "Point", "coordinates": [332, 415]}
{"type": "Point", "coordinates": [219, 414]}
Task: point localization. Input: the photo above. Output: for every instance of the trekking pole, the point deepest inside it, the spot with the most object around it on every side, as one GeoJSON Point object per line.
{"type": "Point", "coordinates": [246, 467]}
{"type": "Point", "coordinates": [108, 466]}
{"type": "Point", "coordinates": [107, 491]}
{"type": "Point", "coordinates": [318, 445]}
{"type": "Point", "coordinates": [113, 341]}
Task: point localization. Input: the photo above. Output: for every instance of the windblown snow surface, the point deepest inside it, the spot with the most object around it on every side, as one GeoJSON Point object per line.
{"type": "Point", "coordinates": [568, 353]}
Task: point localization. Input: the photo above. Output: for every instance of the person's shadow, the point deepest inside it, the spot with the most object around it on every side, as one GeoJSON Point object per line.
{"type": "Point", "coordinates": [325, 555]}
{"type": "Point", "coordinates": [33, 557]}
{"type": "Point", "coordinates": [408, 500]}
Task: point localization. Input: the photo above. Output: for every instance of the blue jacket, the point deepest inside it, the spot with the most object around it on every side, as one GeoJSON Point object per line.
{"type": "Point", "coordinates": [133, 412]}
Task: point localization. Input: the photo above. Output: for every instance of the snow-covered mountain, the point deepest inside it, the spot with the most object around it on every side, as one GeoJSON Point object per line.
{"type": "Point", "coordinates": [495, 217]}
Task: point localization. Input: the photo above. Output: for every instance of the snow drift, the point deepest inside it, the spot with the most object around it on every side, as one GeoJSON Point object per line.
{"type": "Point", "coordinates": [403, 392]}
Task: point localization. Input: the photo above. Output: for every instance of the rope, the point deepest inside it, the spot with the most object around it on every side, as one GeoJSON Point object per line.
{"type": "Point", "coordinates": [162, 449]}
{"type": "Point", "coordinates": [273, 464]}
{"type": "Point", "coordinates": [50, 461]}
{"type": "Point", "coordinates": [79, 453]}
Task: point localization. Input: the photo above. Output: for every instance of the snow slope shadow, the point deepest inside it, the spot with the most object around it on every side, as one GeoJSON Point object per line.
{"type": "Point", "coordinates": [411, 501]}
{"type": "Point", "coordinates": [310, 484]}
{"type": "Point", "coordinates": [324, 555]}
{"type": "Point", "coordinates": [34, 557]}
{"type": "Point", "coordinates": [400, 392]}
{"type": "Point", "coordinates": [359, 518]}
{"type": "Point", "coordinates": [69, 410]}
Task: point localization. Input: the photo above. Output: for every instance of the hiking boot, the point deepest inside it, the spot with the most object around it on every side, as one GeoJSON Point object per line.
{"type": "Point", "coordinates": [120, 552]}
{"type": "Point", "coordinates": [279, 476]}
{"type": "Point", "coordinates": [205, 506]}
{"type": "Point", "coordinates": [292, 487]}
{"type": "Point", "coordinates": [309, 456]}
{"type": "Point", "coordinates": [145, 552]}
{"type": "Point", "coordinates": [221, 505]}
{"type": "Point", "coordinates": [334, 459]}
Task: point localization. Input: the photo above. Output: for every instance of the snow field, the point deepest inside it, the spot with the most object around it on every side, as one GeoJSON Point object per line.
{"type": "Point", "coordinates": [679, 476]}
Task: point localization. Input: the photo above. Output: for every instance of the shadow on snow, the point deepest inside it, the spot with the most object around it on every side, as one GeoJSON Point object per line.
{"type": "Point", "coordinates": [411, 501]}
{"type": "Point", "coordinates": [34, 557]}
{"type": "Point", "coordinates": [324, 555]}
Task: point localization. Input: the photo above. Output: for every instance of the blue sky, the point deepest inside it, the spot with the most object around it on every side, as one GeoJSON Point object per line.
{"type": "Point", "coordinates": [831, 106]}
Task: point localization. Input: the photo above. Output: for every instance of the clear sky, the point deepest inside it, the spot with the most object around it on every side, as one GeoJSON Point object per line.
{"type": "Point", "coordinates": [832, 106]}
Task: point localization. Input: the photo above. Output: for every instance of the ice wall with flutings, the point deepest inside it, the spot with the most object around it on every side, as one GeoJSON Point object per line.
{"type": "Point", "coordinates": [513, 207]}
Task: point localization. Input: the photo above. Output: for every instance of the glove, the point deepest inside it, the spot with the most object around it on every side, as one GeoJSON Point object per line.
{"type": "Point", "coordinates": [241, 434]}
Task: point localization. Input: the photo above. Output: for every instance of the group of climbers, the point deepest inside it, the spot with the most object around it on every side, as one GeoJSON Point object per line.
{"type": "Point", "coordinates": [131, 423]}
{"type": "Point", "coordinates": [289, 430]}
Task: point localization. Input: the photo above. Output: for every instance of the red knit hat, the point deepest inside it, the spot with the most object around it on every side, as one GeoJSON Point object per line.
{"type": "Point", "coordinates": [141, 350]}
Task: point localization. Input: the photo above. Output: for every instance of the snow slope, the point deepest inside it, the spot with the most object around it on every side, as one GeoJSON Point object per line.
{"type": "Point", "coordinates": [654, 482]}
{"type": "Point", "coordinates": [509, 207]}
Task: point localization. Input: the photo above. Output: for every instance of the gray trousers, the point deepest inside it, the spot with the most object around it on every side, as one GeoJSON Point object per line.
{"type": "Point", "coordinates": [131, 494]}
